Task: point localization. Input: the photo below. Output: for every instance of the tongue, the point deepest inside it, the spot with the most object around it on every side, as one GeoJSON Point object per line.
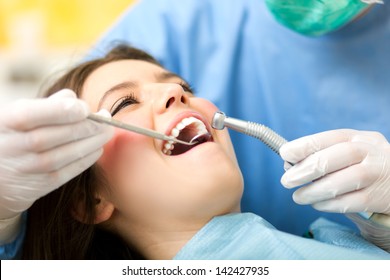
{"type": "Point", "coordinates": [180, 149]}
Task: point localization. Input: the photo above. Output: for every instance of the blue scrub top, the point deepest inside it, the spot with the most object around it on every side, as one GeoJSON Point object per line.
{"type": "Point", "coordinates": [235, 54]}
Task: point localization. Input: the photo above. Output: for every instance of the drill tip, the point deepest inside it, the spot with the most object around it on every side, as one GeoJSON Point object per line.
{"type": "Point", "coordinates": [218, 120]}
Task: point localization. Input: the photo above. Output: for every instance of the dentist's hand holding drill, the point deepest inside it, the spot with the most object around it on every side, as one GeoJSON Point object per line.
{"type": "Point", "coordinates": [43, 144]}
{"type": "Point", "coordinates": [344, 171]}
{"type": "Point", "coordinates": [341, 170]}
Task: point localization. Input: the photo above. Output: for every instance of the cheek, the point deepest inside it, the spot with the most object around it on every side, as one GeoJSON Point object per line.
{"type": "Point", "coordinates": [114, 149]}
{"type": "Point", "coordinates": [125, 161]}
{"type": "Point", "coordinates": [123, 145]}
{"type": "Point", "coordinates": [122, 165]}
{"type": "Point", "coordinates": [205, 107]}
{"type": "Point", "coordinates": [122, 153]}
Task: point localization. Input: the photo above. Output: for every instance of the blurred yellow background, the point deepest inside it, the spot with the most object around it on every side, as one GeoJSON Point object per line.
{"type": "Point", "coordinates": [41, 37]}
{"type": "Point", "coordinates": [62, 22]}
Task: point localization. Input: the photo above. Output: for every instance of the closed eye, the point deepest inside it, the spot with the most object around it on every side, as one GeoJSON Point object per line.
{"type": "Point", "coordinates": [187, 87]}
{"type": "Point", "coordinates": [123, 102]}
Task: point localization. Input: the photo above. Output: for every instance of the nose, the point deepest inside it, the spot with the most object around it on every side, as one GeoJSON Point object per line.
{"type": "Point", "coordinates": [171, 95]}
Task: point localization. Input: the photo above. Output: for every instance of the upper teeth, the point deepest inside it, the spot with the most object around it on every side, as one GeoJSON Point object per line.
{"type": "Point", "coordinates": [200, 126]}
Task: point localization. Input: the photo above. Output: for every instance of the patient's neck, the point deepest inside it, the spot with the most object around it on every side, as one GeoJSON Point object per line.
{"type": "Point", "coordinates": [166, 245]}
{"type": "Point", "coordinates": [161, 243]}
{"type": "Point", "coordinates": [164, 240]}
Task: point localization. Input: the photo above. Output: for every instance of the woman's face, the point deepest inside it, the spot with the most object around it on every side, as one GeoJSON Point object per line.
{"type": "Point", "coordinates": [147, 185]}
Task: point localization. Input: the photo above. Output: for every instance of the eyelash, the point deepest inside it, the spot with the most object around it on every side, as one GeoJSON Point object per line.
{"type": "Point", "coordinates": [124, 102]}
{"type": "Point", "coordinates": [130, 99]}
{"type": "Point", "coordinates": [187, 87]}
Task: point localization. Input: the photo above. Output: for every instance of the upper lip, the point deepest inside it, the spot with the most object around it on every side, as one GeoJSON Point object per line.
{"type": "Point", "coordinates": [179, 117]}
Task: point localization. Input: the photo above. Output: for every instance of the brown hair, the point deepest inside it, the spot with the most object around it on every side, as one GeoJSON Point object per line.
{"type": "Point", "coordinates": [52, 232]}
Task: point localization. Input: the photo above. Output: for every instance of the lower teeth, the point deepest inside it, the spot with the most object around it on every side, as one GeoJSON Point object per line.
{"type": "Point", "coordinates": [199, 138]}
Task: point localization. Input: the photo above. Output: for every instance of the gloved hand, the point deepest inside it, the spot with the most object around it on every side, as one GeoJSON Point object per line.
{"type": "Point", "coordinates": [43, 144]}
{"type": "Point", "coordinates": [341, 170]}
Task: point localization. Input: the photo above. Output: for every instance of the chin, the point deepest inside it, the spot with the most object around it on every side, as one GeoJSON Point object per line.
{"type": "Point", "coordinates": [222, 186]}
{"type": "Point", "coordinates": [213, 163]}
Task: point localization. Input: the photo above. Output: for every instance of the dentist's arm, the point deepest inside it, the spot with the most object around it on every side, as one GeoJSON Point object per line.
{"type": "Point", "coordinates": [344, 171]}
{"type": "Point", "coordinates": [43, 144]}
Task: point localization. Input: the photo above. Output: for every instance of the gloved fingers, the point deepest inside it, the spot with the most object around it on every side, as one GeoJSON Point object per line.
{"type": "Point", "coordinates": [46, 138]}
{"type": "Point", "coordinates": [326, 161]}
{"type": "Point", "coordinates": [59, 177]}
{"type": "Point", "coordinates": [59, 157]}
{"type": "Point", "coordinates": [27, 114]}
{"type": "Point", "coordinates": [104, 113]}
{"type": "Point", "coordinates": [64, 93]}
{"type": "Point", "coordinates": [299, 149]}
{"type": "Point", "coordinates": [353, 202]}
{"type": "Point", "coordinates": [15, 203]}
{"type": "Point", "coordinates": [370, 137]}
{"type": "Point", "coordinates": [344, 181]}
{"type": "Point", "coordinates": [19, 198]}
{"type": "Point", "coordinates": [287, 166]}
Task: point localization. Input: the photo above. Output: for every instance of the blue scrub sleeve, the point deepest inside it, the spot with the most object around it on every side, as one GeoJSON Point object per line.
{"type": "Point", "coordinates": [13, 250]}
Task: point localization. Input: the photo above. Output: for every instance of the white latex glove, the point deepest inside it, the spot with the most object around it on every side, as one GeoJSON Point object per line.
{"type": "Point", "coordinates": [43, 144]}
{"type": "Point", "coordinates": [341, 170]}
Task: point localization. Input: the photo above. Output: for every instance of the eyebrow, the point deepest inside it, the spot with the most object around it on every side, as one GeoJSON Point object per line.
{"type": "Point", "coordinates": [167, 75]}
{"type": "Point", "coordinates": [121, 86]}
{"type": "Point", "coordinates": [132, 84]}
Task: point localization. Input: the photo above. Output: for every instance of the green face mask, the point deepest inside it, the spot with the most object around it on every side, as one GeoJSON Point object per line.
{"type": "Point", "coordinates": [315, 17]}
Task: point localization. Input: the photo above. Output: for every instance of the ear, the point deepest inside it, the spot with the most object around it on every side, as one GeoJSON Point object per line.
{"type": "Point", "coordinates": [103, 210]}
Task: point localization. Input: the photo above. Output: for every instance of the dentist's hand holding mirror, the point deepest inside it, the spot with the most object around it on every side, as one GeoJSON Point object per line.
{"type": "Point", "coordinates": [43, 144]}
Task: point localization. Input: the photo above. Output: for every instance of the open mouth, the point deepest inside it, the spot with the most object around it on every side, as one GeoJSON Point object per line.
{"type": "Point", "coordinates": [186, 130]}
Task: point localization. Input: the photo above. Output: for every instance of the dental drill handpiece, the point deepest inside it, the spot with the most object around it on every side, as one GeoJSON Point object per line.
{"type": "Point", "coordinates": [259, 131]}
